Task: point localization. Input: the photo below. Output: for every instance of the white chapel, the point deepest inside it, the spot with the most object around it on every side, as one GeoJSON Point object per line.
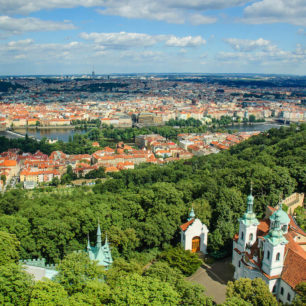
{"type": "Point", "coordinates": [194, 234]}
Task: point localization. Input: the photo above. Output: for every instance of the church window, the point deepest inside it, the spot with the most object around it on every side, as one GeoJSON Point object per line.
{"type": "Point", "coordinates": [277, 256]}
{"type": "Point", "coordinates": [251, 237]}
{"type": "Point", "coordinates": [282, 290]}
{"type": "Point", "coordinates": [289, 297]}
{"type": "Point", "coordinates": [284, 228]}
{"type": "Point", "coordinates": [242, 235]}
{"type": "Point", "coordinates": [239, 264]}
{"type": "Point", "coordinates": [274, 288]}
{"type": "Point", "coordinates": [268, 255]}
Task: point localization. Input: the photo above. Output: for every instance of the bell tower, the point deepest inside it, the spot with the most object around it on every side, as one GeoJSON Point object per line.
{"type": "Point", "coordinates": [247, 226]}
{"type": "Point", "coordinates": [274, 248]}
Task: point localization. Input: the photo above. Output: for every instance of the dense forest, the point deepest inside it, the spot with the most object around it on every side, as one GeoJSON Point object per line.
{"type": "Point", "coordinates": [140, 210]}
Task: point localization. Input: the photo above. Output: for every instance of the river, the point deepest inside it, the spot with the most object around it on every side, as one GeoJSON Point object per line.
{"type": "Point", "coordinates": [63, 134]}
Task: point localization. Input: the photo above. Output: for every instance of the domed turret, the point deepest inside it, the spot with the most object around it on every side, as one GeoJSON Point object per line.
{"type": "Point", "coordinates": [282, 218]}
{"type": "Point", "coordinates": [191, 214]}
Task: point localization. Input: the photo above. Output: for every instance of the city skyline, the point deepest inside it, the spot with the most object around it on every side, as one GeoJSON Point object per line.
{"type": "Point", "coordinates": [201, 36]}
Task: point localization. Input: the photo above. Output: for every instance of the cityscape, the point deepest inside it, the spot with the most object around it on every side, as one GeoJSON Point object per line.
{"type": "Point", "coordinates": [152, 152]}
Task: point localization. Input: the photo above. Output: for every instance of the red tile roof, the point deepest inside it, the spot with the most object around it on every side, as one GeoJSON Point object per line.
{"type": "Point", "coordinates": [186, 225]}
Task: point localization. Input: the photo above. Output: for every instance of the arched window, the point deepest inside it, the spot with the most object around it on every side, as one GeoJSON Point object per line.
{"type": "Point", "coordinates": [289, 297]}
{"type": "Point", "coordinates": [268, 255]}
{"type": "Point", "coordinates": [251, 237]}
{"type": "Point", "coordinates": [242, 235]}
{"type": "Point", "coordinates": [277, 256]}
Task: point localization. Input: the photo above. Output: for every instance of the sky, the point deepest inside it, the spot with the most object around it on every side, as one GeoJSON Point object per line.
{"type": "Point", "coordinates": [152, 36]}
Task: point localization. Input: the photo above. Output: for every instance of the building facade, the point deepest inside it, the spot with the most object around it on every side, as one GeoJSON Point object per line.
{"type": "Point", "coordinates": [272, 249]}
{"type": "Point", "coordinates": [194, 234]}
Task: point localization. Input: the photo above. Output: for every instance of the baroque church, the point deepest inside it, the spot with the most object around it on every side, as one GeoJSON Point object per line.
{"type": "Point", "coordinates": [273, 249]}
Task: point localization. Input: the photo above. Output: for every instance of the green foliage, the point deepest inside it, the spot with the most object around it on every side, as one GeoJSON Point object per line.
{"type": "Point", "coordinates": [145, 206]}
{"type": "Point", "coordinates": [15, 285]}
{"type": "Point", "coordinates": [135, 289]}
{"type": "Point", "coordinates": [120, 269]}
{"type": "Point", "coordinates": [184, 261]}
{"type": "Point", "coordinates": [300, 298]}
{"type": "Point", "coordinates": [189, 293]}
{"type": "Point", "coordinates": [253, 291]}
{"type": "Point", "coordinates": [95, 293]}
{"type": "Point", "coordinates": [236, 301]}
{"type": "Point", "coordinates": [48, 293]}
{"type": "Point", "coordinates": [99, 173]}
{"type": "Point", "coordinates": [9, 247]}
{"type": "Point", "coordinates": [76, 270]}
{"type": "Point", "coordinates": [3, 178]}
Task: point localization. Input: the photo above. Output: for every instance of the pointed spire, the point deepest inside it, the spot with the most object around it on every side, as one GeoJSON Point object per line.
{"type": "Point", "coordinates": [250, 200]}
{"type": "Point", "coordinates": [99, 240]}
{"type": "Point", "coordinates": [106, 239]}
{"type": "Point", "coordinates": [88, 243]}
{"type": "Point", "coordinates": [191, 214]}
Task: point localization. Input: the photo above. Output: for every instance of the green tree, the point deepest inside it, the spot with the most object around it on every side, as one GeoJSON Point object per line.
{"type": "Point", "coordinates": [3, 178]}
{"type": "Point", "coordinates": [181, 259]}
{"type": "Point", "coordinates": [76, 270]}
{"type": "Point", "coordinates": [15, 285]}
{"type": "Point", "coordinates": [48, 293]}
{"type": "Point", "coordinates": [9, 247]}
{"type": "Point", "coordinates": [300, 298]}
{"type": "Point", "coordinates": [253, 291]}
{"type": "Point", "coordinates": [135, 289]}
{"type": "Point", "coordinates": [235, 301]}
{"type": "Point", "coordinates": [252, 118]}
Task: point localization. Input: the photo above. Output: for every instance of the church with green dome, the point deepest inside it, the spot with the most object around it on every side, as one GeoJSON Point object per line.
{"type": "Point", "coordinates": [271, 249]}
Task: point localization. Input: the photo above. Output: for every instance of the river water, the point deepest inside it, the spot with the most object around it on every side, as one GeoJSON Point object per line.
{"type": "Point", "coordinates": [63, 134]}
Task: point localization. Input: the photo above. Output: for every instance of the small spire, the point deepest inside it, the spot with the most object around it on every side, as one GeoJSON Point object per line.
{"type": "Point", "coordinates": [191, 214]}
{"type": "Point", "coordinates": [250, 200]}
{"type": "Point", "coordinates": [106, 240]}
{"type": "Point", "coordinates": [88, 243]}
{"type": "Point", "coordinates": [99, 240]}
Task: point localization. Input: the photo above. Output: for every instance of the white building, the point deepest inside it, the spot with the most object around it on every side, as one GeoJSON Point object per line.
{"type": "Point", "coordinates": [272, 250]}
{"type": "Point", "coordinates": [194, 234]}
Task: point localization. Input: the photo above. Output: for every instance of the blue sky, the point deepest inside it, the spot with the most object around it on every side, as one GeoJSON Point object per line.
{"type": "Point", "coordinates": [124, 36]}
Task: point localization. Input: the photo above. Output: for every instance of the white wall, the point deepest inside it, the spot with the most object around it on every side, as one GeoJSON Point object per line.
{"type": "Point", "coordinates": [197, 228]}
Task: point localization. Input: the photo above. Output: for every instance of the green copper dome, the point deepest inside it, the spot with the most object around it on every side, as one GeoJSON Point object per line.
{"type": "Point", "coordinates": [275, 235]}
{"type": "Point", "coordinates": [191, 214]}
{"type": "Point", "coordinates": [280, 215]}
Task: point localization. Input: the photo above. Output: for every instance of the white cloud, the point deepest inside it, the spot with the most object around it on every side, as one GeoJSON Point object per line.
{"type": "Point", "coordinates": [187, 41]}
{"type": "Point", "coordinates": [276, 11]}
{"type": "Point", "coordinates": [197, 19]}
{"type": "Point", "coordinates": [14, 26]}
{"type": "Point", "coordinates": [248, 45]}
{"type": "Point", "coordinates": [265, 57]}
{"type": "Point", "coordinates": [173, 11]}
{"type": "Point", "coordinates": [120, 40]}
{"type": "Point", "coordinates": [123, 40]}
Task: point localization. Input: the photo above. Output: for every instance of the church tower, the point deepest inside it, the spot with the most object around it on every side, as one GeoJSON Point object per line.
{"type": "Point", "coordinates": [247, 226]}
{"type": "Point", "coordinates": [274, 247]}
